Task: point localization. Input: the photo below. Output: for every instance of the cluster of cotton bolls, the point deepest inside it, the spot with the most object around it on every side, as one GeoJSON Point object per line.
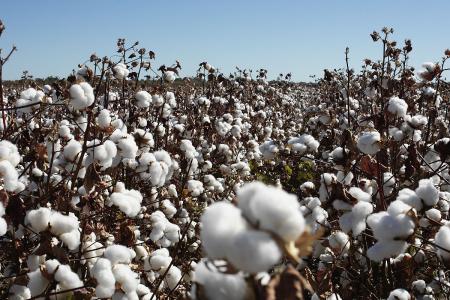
{"type": "Point", "coordinates": [65, 227]}
{"type": "Point", "coordinates": [242, 234]}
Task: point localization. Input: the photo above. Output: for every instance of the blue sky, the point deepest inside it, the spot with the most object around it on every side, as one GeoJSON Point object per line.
{"type": "Point", "coordinates": [302, 37]}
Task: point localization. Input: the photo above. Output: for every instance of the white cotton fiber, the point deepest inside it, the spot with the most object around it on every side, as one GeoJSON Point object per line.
{"type": "Point", "coordinates": [254, 251]}
{"type": "Point", "coordinates": [82, 95]}
{"type": "Point", "coordinates": [118, 254]}
{"type": "Point", "coordinates": [272, 209]}
{"type": "Point", "coordinates": [427, 192]}
{"type": "Point", "coordinates": [220, 286]}
{"type": "Point", "coordinates": [220, 223]}
{"type": "Point", "coordinates": [106, 282]}
{"type": "Point", "coordinates": [397, 106]}
{"type": "Point", "coordinates": [442, 240]}
{"type": "Point", "coordinates": [369, 142]}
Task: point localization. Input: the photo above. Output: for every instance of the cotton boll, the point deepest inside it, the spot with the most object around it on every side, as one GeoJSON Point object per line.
{"type": "Point", "coordinates": [359, 194]}
{"type": "Point", "coordinates": [10, 176]}
{"type": "Point", "coordinates": [37, 283]}
{"type": "Point", "coordinates": [385, 249]}
{"type": "Point", "coordinates": [427, 192]}
{"type": "Point", "coordinates": [303, 144]}
{"type": "Point", "coordinates": [386, 226]}
{"type": "Point", "coordinates": [195, 187]}
{"type": "Point", "coordinates": [254, 251]}
{"type": "Point", "coordinates": [128, 201]}
{"type": "Point", "coordinates": [269, 149]}
{"type": "Point", "coordinates": [104, 118]}
{"type": "Point", "coordinates": [60, 223]}
{"type": "Point", "coordinates": [399, 294]}
{"type": "Point", "coordinates": [169, 76]}
{"type": "Point", "coordinates": [106, 282]}
{"type": "Point", "coordinates": [127, 279]}
{"type": "Point", "coordinates": [339, 241]}
{"type": "Point", "coordinates": [82, 95]}
{"type": "Point", "coordinates": [272, 209]}
{"type": "Point", "coordinates": [121, 71]}
{"type": "Point", "coordinates": [219, 286]}
{"type": "Point", "coordinates": [356, 219]}
{"type": "Point", "coordinates": [38, 219]}
{"type": "Point", "coordinates": [397, 106]}
{"type": "Point", "coordinates": [118, 254]}
{"type": "Point", "coordinates": [143, 99]}
{"type": "Point", "coordinates": [433, 214]}
{"type": "Point", "coordinates": [19, 292]}
{"type": "Point", "coordinates": [369, 142]}
{"type": "Point", "coordinates": [67, 279]}
{"type": "Point", "coordinates": [9, 152]}
{"type": "Point", "coordinates": [72, 150]}
{"type": "Point", "coordinates": [220, 223]}
{"type": "Point", "coordinates": [71, 239]}
{"type": "Point", "coordinates": [410, 198]}
{"type": "Point", "coordinates": [173, 277]}
{"type": "Point", "coordinates": [442, 240]}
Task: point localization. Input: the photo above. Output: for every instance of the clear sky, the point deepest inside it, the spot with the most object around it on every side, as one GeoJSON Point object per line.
{"type": "Point", "coordinates": [302, 37]}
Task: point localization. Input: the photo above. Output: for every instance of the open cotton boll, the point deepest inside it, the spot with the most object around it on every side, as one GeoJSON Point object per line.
{"type": "Point", "coordinates": [27, 98]}
{"type": "Point", "coordinates": [60, 223]}
{"type": "Point", "coordinates": [127, 279]}
{"type": "Point", "coordinates": [72, 150]}
{"type": "Point", "coordinates": [369, 142]}
{"type": "Point", "coordinates": [339, 241]}
{"type": "Point", "coordinates": [81, 95]}
{"type": "Point", "coordinates": [427, 192]}
{"type": "Point", "coordinates": [3, 225]}
{"type": "Point", "coordinates": [397, 106]}
{"type": "Point", "coordinates": [104, 118]}
{"type": "Point", "coordinates": [128, 201]}
{"type": "Point", "coordinates": [385, 249]}
{"type": "Point", "coordinates": [120, 71]}
{"type": "Point", "coordinates": [442, 240]}
{"type": "Point", "coordinates": [220, 223]}
{"type": "Point", "coordinates": [188, 150]}
{"type": "Point", "coordinates": [106, 283]}
{"type": "Point", "coordinates": [9, 152]}
{"type": "Point", "coordinates": [10, 176]}
{"type": "Point", "coordinates": [159, 260]}
{"type": "Point", "coordinates": [355, 220]}
{"type": "Point", "coordinates": [359, 194]}
{"type": "Point", "coordinates": [103, 154]}
{"type": "Point", "coordinates": [399, 294]}
{"type": "Point", "coordinates": [195, 187]}
{"type": "Point", "coordinates": [67, 278]}
{"type": "Point", "coordinates": [163, 232]}
{"type": "Point", "coordinates": [217, 285]}
{"type": "Point", "coordinates": [173, 277]}
{"type": "Point", "coordinates": [37, 283]}
{"type": "Point", "coordinates": [118, 254]}
{"type": "Point", "coordinates": [268, 149]}
{"type": "Point", "coordinates": [272, 209]}
{"type": "Point", "coordinates": [386, 226]}
{"type": "Point", "coordinates": [19, 292]}
{"type": "Point", "coordinates": [143, 99]}
{"type": "Point", "coordinates": [38, 219]}
{"type": "Point", "coordinates": [71, 239]}
{"type": "Point", "coordinates": [254, 251]}
{"type": "Point", "coordinates": [169, 76]}
{"type": "Point", "coordinates": [304, 143]}
{"type": "Point", "coordinates": [410, 198]}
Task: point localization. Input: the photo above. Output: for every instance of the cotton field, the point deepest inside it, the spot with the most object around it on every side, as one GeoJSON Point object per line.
{"type": "Point", "coordinates": [125, 180]}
